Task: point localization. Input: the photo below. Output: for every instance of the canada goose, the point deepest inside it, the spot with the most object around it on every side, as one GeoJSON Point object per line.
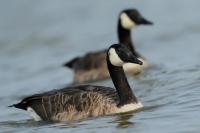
{"type": "Point", "coordinates": [92, 66]}
{"type": "Point", "coordinates": [79, 102]}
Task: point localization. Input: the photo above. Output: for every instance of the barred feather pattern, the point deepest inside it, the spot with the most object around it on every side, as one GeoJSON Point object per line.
{"type": "Point", "coordinates": [74, 103]}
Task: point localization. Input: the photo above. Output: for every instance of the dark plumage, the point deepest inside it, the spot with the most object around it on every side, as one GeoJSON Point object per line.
{"type": "Point", "coordinates": [79, 102]}
{"type": "Point", "coordinates": [50, 105]}
{"type": "Point", "coordinates": [92, 66]}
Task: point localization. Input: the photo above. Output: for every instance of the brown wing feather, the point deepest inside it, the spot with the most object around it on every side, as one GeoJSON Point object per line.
{"type": "Point", "coordinates": [89, 61]}
{"type": "Point", "coordinates": [71, 100]}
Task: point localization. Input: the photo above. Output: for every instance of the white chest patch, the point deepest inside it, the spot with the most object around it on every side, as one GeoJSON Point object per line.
{"type": "Point", "coordinates": [130, 107]}
{"type": "Point", "coordinates": [132, 68]}
{"type": "Point", "coordinates": [135, 68]}
{"type": "Point", "coordinates": [33, 114]}
{"type": "Point", "coordinates": [114, 58]}
{"type": "Point", "coordinates": [126, 22]}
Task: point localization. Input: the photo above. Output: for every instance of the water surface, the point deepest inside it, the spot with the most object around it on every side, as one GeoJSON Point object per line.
{"type": "Point", "coordinates": [37, 37]}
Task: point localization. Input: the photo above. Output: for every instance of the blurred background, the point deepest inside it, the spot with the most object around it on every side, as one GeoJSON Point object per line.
{"type": "Point", "coordinates": [37, 37]}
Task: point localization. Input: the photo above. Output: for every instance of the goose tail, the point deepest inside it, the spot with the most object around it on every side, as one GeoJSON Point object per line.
{"type": "Point", "coordinates": [71, 63]}
{"type": "Point", "coordinates": [19, 106]}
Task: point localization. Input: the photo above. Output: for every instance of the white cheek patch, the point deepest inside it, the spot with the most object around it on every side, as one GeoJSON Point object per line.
{"type": "Point", "coordinates": [33, 114]}
{"type": "Point", "coordinates": [114, 58]}
{"type": "Point", "coordinates": [126, 22]}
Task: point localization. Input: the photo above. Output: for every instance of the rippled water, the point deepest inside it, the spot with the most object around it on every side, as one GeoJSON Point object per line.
{"type": "Point", "coordinates": [37, 37]}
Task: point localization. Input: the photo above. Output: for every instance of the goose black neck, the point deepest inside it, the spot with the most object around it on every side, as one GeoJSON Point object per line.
{"type": "Point", "coordinates": [124, 36]}
{"type": "Point", "coordinates": [121, 84]}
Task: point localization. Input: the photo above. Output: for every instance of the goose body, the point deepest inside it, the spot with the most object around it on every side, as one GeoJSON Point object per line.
{"type": "Point", "coordinates": [93, 66]}
{"type": "Point", "coordinates": [79, 102]}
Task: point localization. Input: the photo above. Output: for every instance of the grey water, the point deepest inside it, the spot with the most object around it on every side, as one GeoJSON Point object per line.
{"type": "Point", "coordinates": [37, 37]}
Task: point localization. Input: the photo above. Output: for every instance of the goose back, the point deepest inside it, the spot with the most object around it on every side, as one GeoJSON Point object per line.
{"type": "Point", "coordinates": [72, 103]}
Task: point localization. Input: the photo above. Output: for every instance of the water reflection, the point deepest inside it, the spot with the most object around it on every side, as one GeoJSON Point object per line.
{"type": "Point", "coordinates": [123, 120]}
{"type": "Point", "coordinates": [37, 38]}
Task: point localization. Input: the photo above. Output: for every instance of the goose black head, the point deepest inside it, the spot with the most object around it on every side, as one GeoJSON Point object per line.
{"type": "Point", "coordinates": [131, 17]}
{"type": "Point", "coordinates": [119, 54]}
